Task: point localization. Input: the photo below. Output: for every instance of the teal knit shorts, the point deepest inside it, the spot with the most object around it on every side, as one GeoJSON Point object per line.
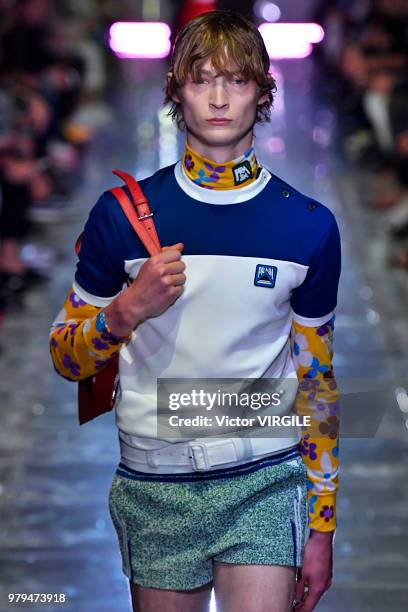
{"type": "Point", "coordinates": [172, 527]}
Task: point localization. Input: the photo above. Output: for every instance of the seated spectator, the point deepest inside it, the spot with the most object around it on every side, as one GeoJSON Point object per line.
{"type": "Point", "coordinates": [368, 78]}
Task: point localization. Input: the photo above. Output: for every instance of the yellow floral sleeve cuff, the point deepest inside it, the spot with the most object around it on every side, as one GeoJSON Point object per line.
{"type": "Point", "coordinates": [81, 343]}
{"type": "Point", "coordinates": [322, 511]}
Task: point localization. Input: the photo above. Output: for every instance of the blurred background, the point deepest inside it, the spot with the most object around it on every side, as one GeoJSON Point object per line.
{"type": "Point", "coordinates": [80, 95]}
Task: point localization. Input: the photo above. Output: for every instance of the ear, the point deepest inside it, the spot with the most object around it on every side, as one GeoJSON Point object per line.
{"type": "Point", "coordinates": [174, 97]}
{"type": "Point", "coordinates": [262, 99]}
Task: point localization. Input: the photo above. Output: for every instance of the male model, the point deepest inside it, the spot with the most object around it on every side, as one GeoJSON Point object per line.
{"type": "Point", "coordinates": [245, 288]}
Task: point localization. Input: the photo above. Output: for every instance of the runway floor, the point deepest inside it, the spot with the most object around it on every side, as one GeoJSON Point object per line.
{"type": "Point", "coordinates": [56, 535]}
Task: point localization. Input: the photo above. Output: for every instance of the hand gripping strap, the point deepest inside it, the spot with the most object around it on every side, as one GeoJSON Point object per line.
{"type": "Point", "coordinates": [96, 394]}
{"type": "Point", "coordinates": [138, 214]}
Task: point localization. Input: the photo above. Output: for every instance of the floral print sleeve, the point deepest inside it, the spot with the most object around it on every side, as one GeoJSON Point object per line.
{"type": "Point", "coordinates": [312, 355]}
{"type": "Point", "coordinates": [80, 345]}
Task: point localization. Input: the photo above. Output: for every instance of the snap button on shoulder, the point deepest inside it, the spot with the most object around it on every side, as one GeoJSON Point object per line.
{"type": "Point", "coordinates": [285, 193]}
{"type": "Point", "coordinates": [312, 206]}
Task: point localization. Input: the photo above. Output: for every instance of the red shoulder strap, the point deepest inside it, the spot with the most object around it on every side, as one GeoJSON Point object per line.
{"type": "Point", "coordinates": [78, 243]}
{"type": "Point", "coordinates": [137, 213]}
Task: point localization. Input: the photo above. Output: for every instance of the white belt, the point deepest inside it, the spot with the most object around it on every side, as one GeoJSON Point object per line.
{"type": "Point", "coordinates": [200, 454]}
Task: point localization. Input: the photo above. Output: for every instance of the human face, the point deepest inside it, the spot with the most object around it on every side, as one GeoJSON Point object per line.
{"type": "Point", "coordinates": [219, 112]}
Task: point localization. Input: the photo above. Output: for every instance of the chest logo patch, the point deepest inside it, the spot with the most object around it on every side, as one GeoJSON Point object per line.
{"type": "Point", "coordinates": [265, 276]}
{"type": "Point", "coordinates": [242, 172]}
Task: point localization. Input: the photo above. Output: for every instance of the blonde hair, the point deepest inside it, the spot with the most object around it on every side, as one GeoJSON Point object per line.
{"type": "Point", "coordinates": [229, 40]}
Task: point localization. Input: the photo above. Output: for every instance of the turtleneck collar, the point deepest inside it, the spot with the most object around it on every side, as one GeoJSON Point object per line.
{"type": "Point", "coordinates": [230, 175]}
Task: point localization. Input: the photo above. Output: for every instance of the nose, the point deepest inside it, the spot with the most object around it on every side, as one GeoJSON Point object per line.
{"type": "Point", "coordinates": [218, 97]}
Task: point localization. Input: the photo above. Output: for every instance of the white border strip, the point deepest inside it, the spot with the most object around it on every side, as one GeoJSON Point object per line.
{"type": "Point", "coordinates": [298, 523]}
{"type": "Point", "coordinates": [218, 196]}
{"type": "Point", "coordinates": [93, 300]}
{"type": "Point", "coordinates": [308, 322]}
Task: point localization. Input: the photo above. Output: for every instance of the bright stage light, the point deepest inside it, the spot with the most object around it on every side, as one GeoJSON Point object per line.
{"type": "Point", "coordinates": [140, 39]}
{"type": "Point", "coordinates": [152, 39]}
{"type": "Point", "coordinates": [267, 10]}
{"type": "Point", "coordinates": [290, 40]}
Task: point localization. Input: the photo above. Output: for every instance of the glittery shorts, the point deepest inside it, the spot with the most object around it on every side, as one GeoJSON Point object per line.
{"type": "Point", "coordinates": [171, 528]}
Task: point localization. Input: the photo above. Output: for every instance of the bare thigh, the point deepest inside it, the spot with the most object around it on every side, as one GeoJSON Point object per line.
{"type": "Point", "coordinates": [254, 588]}
{"type": "Point", "coordinates": [145, 599]}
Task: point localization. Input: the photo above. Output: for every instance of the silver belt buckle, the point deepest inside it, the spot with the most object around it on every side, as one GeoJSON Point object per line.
{"type": "Point", "coordinates": [198, 456]}
{"type": "Point", "coordinates": [151, 458]}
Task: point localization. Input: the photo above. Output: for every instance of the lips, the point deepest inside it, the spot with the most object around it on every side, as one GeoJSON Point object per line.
{"type": "Point", "coordinates": [215, 121]}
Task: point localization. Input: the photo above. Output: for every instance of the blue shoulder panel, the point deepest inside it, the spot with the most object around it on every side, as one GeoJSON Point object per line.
{"type": "Point", "coordinates": [278, 223]}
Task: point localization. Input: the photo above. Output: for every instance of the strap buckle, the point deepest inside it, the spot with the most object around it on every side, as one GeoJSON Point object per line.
{"type": "Point", "coordinates": [210, 453]}
{"type": "Point", "coordinates": [151, 458]}
{"type": "Point", "coordinates": [146, 216]}
{"type": "Point", "coordinates": [198, 456]}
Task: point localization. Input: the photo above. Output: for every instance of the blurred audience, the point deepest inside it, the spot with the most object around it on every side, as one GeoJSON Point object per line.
{"type": "Point", "coordinates": [365, 58]}
{"type": "Point", "coordinates": [51, 79]}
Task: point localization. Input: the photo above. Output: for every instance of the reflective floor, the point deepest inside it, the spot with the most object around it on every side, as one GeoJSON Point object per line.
{"type": "Point", "coordinates": [56, 535]}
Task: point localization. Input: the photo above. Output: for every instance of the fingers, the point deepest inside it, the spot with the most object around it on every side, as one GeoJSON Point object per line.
{"type": "Point", "coordinates": [309, 602]}
{"type": "Point", "coordinates": [308, 599]}
{"type": "Point", "coordinates": [175, 267]}
{"type": "Point", "coordinates": [167, 255]}
{"type": "Point", "coordinates": [176, 279]}
{"type": "Point", "coordinates": [300, 586]}
{"type": "Point", "coordinates": [174, 293]}
{"type": "Point", "coordinates": [179, 246]}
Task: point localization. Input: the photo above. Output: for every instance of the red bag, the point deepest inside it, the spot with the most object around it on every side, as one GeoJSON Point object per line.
{"type": "Point", "coordinates": [97, 393]}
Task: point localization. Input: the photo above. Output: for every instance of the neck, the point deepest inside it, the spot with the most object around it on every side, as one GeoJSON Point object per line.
{"type": "Point", "coordinates": [228, 174]}
{"type": "Point", "coordinates": [223, 153]}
